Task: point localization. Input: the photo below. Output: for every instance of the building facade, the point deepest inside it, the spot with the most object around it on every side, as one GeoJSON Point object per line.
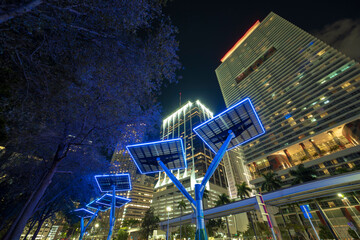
{"type": "Point", "coordinates": [142, 188]}
{"type": "Point", "coordinates": [180, 125]}
{"type": "Point", "coordinates": [306, 94]}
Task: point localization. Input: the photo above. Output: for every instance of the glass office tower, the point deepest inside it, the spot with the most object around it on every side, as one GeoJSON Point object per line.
{"type": "Point", "coordinates": [180, 125]}
{"type": "Point", "coordinates": [306, 94]}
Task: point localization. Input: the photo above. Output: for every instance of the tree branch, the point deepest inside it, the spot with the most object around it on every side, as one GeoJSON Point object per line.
{"type": "Point", "coordinates": [19, 11]}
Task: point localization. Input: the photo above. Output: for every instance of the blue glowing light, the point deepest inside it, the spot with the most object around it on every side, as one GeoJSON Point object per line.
{"type": "Point", "coordinates": [83, 212]}
{"type": "Point", "coordinates": [287, 116]}
{"type": "Point", "coordinates": [170, 153]}
{"type": "Point", "coordinates": [94, 205]}
{"type": "Point", "coordinates": [122, 182]}
{"type": "Point", "coordinates": [107, 198]}
{"type": "Point", "coordinates": [251, 115]}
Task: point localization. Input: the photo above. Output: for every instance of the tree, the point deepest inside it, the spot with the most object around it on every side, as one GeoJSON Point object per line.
{"type": "Point", "coordinates": [181, 206]}
{"type": "Point", "coordinates": [213, 225]}
{"type": "Point", "coordinates": [302, 174]}
{"type": "Point", "coordinates": [206, 196]}
{"type": "Point", "coordinates": [187, 229]}
{"type": "Point", "coordinates": [149, 223]}
{"type": "Point", "coordinates": [243, 190]}
{"type": "Point", "coordinates": [262, 228]}
{"type": "Point", "coordinates": [224, 199]}
{"type": "Point", "coordinates": [131, 223]}
{"type": "Point", "coordinates": [271, 183]}
{"type": "Point", "coordinates": [352, 233]}
{"type": "Point", "coordinates": [122, 234]}
{"type": "Point", "coordinates": [79, 77]}
{"type": "Point", "coordinates": [325, 233]}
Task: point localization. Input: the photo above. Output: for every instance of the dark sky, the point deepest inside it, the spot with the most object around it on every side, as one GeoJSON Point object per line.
{"type": "Point", "coordinates": [208, 29]}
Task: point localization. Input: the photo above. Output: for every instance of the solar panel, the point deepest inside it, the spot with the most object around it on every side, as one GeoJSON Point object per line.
{"type": "Point", "coordinates": [241, 118]}
{"type": "Point", "coordinates": [95, 205]}
{"type": "Point", "coordinates": [171, 153]}
{"type": "Point", "coordinates": [83, 213]}
{"type": "Point", "coordinates": [107, 198]}
{"type": "Point", "coordinates": [121, 182]}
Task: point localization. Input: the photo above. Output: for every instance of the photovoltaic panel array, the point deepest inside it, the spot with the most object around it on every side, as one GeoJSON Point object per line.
{"type": "Point", "coordinates": [241, 119]}
{"type": "Point", "coordinates": [95, 205]}
{"type": "Point", "coordinates": [171, 153]}
{"type": "Point", "coordinates": [122, 182]}
{"type": "Point", "coordinates": [107, 198]}
{"type": "Point", "coordinates": [83, 213]}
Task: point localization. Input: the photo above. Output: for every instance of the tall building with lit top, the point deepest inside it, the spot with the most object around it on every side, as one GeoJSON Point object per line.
{"type": "Point", "coordinates": [306, 94]}
{"type": "Point", "coordinates": [180, 125]}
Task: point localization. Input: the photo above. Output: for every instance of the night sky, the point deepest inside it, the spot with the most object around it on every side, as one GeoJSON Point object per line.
{"type": "Point", "coordinates": [208, 29]}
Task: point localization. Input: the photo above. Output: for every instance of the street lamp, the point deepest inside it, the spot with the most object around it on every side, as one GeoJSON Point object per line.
{"type": "Point", "coordinates": [168, 209]}
{"type": "Point", "coordinates": [344, 199]}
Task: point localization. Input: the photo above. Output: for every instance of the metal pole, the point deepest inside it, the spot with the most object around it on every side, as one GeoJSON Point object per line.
{"type": "Point", "coordinates": [252, 223]}
{"type": "Point", "coordinates": [357, 200]}
{"type": "Point", "coordinates": [347, 203]}
{"type": "Point", "coordinates": [112, 213]}
{"type": "Point", "coordinates": [167, 231]}
{"type": "Point", "coordinates": [307, 214]}
{"type": "Point", "coordinates": [327, 221]}
{"type": "Point", "coordinates": [273, 233]}
{"type": "Point", "coordinates": [215, 162]}
{"type": "Point", "coordinates": [200, 223]}
{"type": "Point", "coordinates": [199, 188]}
{"type": "Point", "coordinates": [82, 230]}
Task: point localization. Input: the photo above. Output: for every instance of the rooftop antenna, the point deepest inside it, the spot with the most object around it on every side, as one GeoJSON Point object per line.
{"type": "Point", "coordinates": [179, 99]}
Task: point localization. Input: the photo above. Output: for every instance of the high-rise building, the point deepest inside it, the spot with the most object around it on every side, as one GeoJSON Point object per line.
{"type": "Point", "coordinates": [198, 156]}
{"type": "Point", "coordinates": [142, 185]}
{"type": "Point", "coordinates": [306, 94]}
{"type": "Point", "coordinates": [141, 193]}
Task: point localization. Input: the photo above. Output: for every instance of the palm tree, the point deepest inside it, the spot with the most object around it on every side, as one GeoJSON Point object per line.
{"type": "Point", "coordinates": [182, 206]}
{"type": "Point", "coordinates": [303, 174]}
{"type": "Point", "coordinates": [206, 195]}
{"type": "Point", "coordinates": [243, 190]}
{"type": "Point", "coordinates": [224, 199]}
{"type": "Point", "coordinates": [271, 182]}
{"type": "Point", "coordinates": [130, 223]}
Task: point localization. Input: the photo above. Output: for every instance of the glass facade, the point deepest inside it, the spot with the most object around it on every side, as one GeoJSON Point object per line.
{"type": "Point", "coordinates": [305, 93]}
{"type": "Point", "coordinates": [198, 156]}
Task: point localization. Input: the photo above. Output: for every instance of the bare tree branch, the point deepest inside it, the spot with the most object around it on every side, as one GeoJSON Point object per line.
{"type": "Point", "coordinates": [19, 11]}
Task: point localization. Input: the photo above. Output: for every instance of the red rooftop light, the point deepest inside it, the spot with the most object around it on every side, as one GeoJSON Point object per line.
{"type": "Point", "coordinates": [248, 32]}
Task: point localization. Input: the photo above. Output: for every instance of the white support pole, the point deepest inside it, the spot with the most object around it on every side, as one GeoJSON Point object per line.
{"type": "Point", "coordinates": [312, 225]}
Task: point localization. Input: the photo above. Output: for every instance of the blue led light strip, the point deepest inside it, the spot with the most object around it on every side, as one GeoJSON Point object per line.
{"type": "Point", "coordinates": [251, 114]}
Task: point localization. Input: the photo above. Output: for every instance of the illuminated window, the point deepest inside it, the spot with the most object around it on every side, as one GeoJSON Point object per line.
{"type": "Point", "coordinates": [255, 65]}
{"type": "Point", "coordinates": [323, 114]}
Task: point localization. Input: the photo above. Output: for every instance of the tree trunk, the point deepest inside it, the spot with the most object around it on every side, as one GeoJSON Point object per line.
{"type": "Point", "coordinates": [30, 207]}
{"type": "Point", "coordinates": [41, 222]}
{"type": "Point", "coordinates": [19, 11]}
{"type": "Point", "coordinates": [32, 224]}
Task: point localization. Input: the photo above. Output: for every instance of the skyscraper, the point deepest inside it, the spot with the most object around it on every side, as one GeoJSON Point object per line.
{"type": "Point", "coordinates": [142, 188]}
{"type": "Point", "coordinates": [198, 156]}
{"type": "Point", "coordinates": [306, 94]}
